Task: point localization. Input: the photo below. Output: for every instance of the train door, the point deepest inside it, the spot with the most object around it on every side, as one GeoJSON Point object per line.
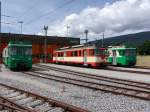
{"type": "Point", "coordinates": [114, 61]}
{"type": "Point", "coordinates": [84, 57]}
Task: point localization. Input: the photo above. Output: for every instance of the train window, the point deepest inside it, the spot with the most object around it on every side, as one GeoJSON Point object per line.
{"type": "Point", "coordinates": [75, 53]}
{"type": "Point", "coordinates": [12, 50]}
{"type": "Point", "coordinates": [79, 53]}
{"type": "Point", "coordinates": [130, 52]}
{"type": "Point", "coordinates": [96, 52]}
{"type": "Point", "coordinates": [121, 52]}
{"type": "Point", "coordinates": [28, 51]}
{"type": "Point", "coordinates": [91, 52]}
{"type": "Point", "coordinates": [65, 54]}
{"type": "Point", "coordinates": [54, 54]}
{"type": "Point", "coordinates": [58, 54]}
{"type": "Point", "coordinates": [62, 54]}
{"type": "Point", "coordinates": [71, 53]}
{"type": "Point", "coordinates": [127, 52]}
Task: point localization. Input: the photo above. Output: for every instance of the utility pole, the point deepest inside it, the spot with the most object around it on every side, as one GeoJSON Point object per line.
{"type": "Point", "coordinates": [86, 35]}
{"type": "Point", "coordinates": [0, 31]}
{"type": "Point", "coordinates": [0, 16]}
{"type": "Point", "coordinates": [68, 30]}
{"type": "Point", "coordinates": [21, 22]}
{"type": "Point", "coordinates": [103, 40]}
{"type": "Point", "coordinates": [45, 42]}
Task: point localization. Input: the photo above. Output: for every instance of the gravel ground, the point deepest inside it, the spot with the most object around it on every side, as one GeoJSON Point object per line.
{"type": "Point", "coordinates": [102, 72]}
{"type": "Point", "coordinates": [95, 101]}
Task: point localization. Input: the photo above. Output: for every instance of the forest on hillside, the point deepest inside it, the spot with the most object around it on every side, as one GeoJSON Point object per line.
{"type": "Point", "coordinates": [141, 41]}
{"type": "Point", "coordinates": [133, 40]}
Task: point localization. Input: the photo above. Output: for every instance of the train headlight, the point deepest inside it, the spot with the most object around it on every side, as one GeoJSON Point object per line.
{"type": "Point", "coordinates": [12, 58]}
{"type": "Point", "coordinates": [29, 58]}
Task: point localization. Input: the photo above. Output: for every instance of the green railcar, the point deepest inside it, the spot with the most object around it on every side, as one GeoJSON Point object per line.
{"type": "Point", "coordinates": [18, 55]}
{"type": "Point", "coordinates": [122, 56]}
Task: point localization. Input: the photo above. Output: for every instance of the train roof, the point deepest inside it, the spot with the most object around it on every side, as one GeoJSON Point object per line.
{"type": "Point", "coordinates": [39, 39]}
{"type": "Point", "coordinates": [20, 43]}
{"type": "Point", "coordinates": [77, 47]}
{"type": "Point", "coordinates": [119, 47]}
{"type": "Point", "coordinates": [73, 47]}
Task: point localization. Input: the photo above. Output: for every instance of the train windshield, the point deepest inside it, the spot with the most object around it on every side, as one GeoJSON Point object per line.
{"type": "Point", "coordinates": [127, 52]}
{"type": "Point", "coordinates": [130, 52]}
{"type": "Point", "coordinates": [20, 50]}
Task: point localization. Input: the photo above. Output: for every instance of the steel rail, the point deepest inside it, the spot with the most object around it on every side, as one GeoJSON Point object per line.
{"type": "Point", "coordinates": [129, 71]}
{"type": "Point", "coordinates": [141, 67]}
{"type": "Point", "coordinates": [53, 102]}
{"type": "Point", "coordinates": [93, 85]}
{"type": "Point", "coordinates": [8, 103]}
{"type": "Point", "coordinates": [12, 108]}
{"type": "Point", "coordinates": [103, 78]}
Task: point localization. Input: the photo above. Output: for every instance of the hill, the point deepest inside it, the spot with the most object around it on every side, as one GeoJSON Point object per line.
{"type": "Point", "coordinates": [134, 40]}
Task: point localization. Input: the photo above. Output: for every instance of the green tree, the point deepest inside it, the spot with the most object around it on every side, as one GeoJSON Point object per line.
{"type": "Point", "coordinates": [144, 49]}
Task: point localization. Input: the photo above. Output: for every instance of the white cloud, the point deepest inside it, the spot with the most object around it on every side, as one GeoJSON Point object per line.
{"type": "Point", "coordinates": [118, 17]}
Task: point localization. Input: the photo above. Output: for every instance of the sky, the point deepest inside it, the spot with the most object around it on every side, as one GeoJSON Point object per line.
{"type": "Point", "coordinates": [72, 17]}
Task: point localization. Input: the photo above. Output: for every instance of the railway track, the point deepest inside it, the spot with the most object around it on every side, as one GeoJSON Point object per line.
{"type": "Point", "coordinates": [123, 87]}
{"type": "Point", "coordinates": [19, 100]}
{"type": "Point", "coordinates": [97, 77]}
{"type": "Point", "coordinates": [141, 67]}
{"type": "Point", "coordinates": [130, 70]}
{"type": "Point", "coordinates": [6, 106]}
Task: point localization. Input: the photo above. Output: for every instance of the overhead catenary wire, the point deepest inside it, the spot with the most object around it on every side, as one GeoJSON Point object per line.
{"type": "Point", "coordinates": [4, 15]}
{"type": "Point", "coordinates": [26, 12]}
{"type": "Point", "coordinates": [50, 12]}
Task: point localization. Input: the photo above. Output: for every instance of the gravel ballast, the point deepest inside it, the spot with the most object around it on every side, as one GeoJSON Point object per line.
{"type": "Point", "coordinates": [95, 101]}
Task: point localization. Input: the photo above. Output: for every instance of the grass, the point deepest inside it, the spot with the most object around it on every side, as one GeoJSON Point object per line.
{"type": "Point", "coordinates": [143, 61]}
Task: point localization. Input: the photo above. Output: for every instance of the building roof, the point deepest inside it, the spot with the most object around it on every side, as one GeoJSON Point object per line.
{"type": "Point", "coordinates": [39, 39]}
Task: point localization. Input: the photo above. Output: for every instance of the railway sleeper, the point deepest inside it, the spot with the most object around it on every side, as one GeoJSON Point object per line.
{"type": "Point", "coordinates": [34, 103]}
{"type": "Point", "coordinates": [44, 107]}
{"type": "Point", "coordinates": [4, 111]}
{"type": "Point", "coordinates": [30, 101]}
{"type": "Point", "coordinates": [143, 95]}
{"type": "Point", "coordinates": [7, 92]}
{"type": "Point", "coordinates": [19, 97]}
{"type": "Point", "coordinates": [25, 100]}
{"type": "Point", "coordinates": [56, 110]}
{"type": "Point", "coordinates": [12, 95]}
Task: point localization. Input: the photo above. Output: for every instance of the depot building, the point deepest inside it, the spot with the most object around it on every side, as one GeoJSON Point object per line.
{"type": "Point", "coordinates": [38, 44]}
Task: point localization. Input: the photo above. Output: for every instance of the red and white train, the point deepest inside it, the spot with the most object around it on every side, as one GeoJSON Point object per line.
{"type": "Point", "coordinates": [79, 54]}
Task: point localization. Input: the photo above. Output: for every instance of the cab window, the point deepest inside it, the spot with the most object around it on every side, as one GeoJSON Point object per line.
{"type": "Point", "coordinates": [121, 52]}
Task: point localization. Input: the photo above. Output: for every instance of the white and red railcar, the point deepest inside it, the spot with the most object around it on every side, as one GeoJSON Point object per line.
{"type": "Point", "coordinates": [79, 54]}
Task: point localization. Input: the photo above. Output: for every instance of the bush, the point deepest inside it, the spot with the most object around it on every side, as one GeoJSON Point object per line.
{"type": "Point", "coordinates": [144, 49]}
